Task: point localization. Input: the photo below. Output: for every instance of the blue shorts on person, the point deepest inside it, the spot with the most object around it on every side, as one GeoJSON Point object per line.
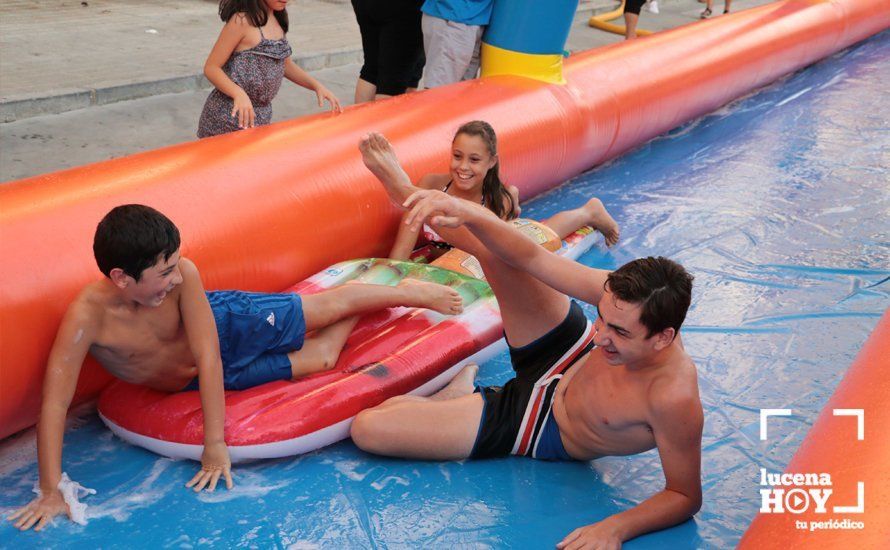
{"type": "Point", "coordinates": [256, 332]}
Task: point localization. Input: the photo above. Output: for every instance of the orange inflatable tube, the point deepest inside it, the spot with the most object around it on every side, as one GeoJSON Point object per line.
{"type": "Point", "coordinates": [858, 468]}
{"type": "Point", "coordinates": [264, 208]}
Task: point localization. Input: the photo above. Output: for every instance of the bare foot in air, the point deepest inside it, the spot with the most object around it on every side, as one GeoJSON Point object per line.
{"type": "Point", "coordinates": [601, 221]}
{"type": "Point", "coordinates": [380, 158]}
{"type": "Point", "coordinates": [433, 296]}
{"type": "Point", "coordinates": [462, 384]}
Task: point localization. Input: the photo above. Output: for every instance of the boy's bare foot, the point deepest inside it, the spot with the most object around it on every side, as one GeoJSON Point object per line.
{"type": "Point", "coordinates": [434, 296]}
{"type": "Point", "coordinates": [602, 221]}
{"type": "Point", "coordinates": [460, 385]}
{"type": "Point", "coordinates": [380, 158]}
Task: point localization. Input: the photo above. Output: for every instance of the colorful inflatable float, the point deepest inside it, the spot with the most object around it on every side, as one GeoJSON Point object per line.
{"type": "Point", "coordinates": [394, 352]}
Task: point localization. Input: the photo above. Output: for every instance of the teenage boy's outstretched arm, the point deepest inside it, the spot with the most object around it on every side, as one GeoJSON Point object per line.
{"type": "Point", "coordinates": [676, 421]}
{"type": "Point", "coordinates": [75, 336]}
{"type": "Point", "coordinates": [200, 327]}
{"type": "Point", "coordinates": [443, 211]}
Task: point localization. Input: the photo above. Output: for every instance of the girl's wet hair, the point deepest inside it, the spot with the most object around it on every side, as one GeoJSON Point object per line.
{"type": "Point", "coordinates": [493, 190]}
{"type": "Point", "coordinates": [255, 10]}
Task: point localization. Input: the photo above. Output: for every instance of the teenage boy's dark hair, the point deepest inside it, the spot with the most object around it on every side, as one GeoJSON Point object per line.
{"type": "Point", "coordinates": [132, 237]}
{"type": "Point", "coordinates": [661, 286]}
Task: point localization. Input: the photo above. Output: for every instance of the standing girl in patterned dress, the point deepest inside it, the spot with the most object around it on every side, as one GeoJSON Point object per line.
{"type": "Point", "coordinates": [246, 65]}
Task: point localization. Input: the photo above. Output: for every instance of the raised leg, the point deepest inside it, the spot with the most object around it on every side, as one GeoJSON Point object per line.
{"type": "Point", "coordinates": [529, 308]}
{"type": "Point", "coordinates": [326, 308]}
{"type": "Point", "coordinates": [593, 213]}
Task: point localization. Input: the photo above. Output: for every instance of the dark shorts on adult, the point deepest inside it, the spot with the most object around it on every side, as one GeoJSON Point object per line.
{"type": "Point", "coordinates": [517, 419]}
{"type": "Point", "coordinates": [634, 6]}
{"type": "Point", "coordinates": [392, 42]}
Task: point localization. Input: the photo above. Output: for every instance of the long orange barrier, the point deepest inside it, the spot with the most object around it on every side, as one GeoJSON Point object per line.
{"type": "Point", "coordinates": [858, 468]}
{"type": "Point", "coordinates": [263, 208]}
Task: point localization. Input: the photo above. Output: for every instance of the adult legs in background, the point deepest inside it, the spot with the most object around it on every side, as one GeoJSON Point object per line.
{"type": "Point", "coordinates": [451, 49]}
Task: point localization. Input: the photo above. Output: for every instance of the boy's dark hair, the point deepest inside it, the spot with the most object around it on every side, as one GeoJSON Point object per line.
{"type": "Point", "coordinates": [255, 10]}
{"type": "Point", "coordinates": [132, 237]}
{"type": "Point", "coordinates": [661, 286]}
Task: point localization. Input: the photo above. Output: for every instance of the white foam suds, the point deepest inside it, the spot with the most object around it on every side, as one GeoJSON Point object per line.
{"type": "Point", "coordinates": [380, 485]}
{"type": "Point", "coordinates": [72, 492]}
{"type": "Point", "coordinates": [121, 506]}
{"type": "Point", "coordinates": [247, 484]}
{"type": "Point", "coordinates": [347, 468]}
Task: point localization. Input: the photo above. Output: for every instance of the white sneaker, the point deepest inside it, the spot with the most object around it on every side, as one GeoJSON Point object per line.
{"type": "Point", "coordinates": [652, 6]}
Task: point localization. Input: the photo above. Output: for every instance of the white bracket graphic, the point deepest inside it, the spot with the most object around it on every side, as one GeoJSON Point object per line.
{"type": "Point", "coordinates": [860, 420]}
{"type": "Point", "coordinates": [860, 502]}
{"type": "Point", "coordinates": [766, 413]}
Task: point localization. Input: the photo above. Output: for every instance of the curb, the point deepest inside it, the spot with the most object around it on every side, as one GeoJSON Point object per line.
{"type": "Point", "coordinates": [18, 107]}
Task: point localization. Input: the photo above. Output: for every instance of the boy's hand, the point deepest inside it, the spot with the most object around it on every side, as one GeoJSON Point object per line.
{"type": "Point", "coordinates": [439, 208]}
{"type": "Point", "coordinates": [602, 535]}
{"type": "Point", "coordinates": [215, 463]}
{"type": "Point", "coordinates": [41, 511]}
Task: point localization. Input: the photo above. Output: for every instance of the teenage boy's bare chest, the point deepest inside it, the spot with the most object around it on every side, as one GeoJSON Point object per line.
{"type": "Point", "coordinates": [610, 408]}
{"type": "Point", "coordinates": [145, 331]}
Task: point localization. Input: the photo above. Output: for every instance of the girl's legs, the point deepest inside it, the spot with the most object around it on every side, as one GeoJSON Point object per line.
{"type": "Point", "coordinates": [593, 213]}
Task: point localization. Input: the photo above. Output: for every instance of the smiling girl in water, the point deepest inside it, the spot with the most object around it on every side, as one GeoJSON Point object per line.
{"type": "Point", "coordinates": [473, 176]}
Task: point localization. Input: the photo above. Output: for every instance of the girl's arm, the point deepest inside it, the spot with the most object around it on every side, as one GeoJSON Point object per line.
{"type": "Point", "coordinates": [232, 35]}
{"type": "Point", "coordinates": [405, 242]}
{"type": "Point", "coordinates": [406, 239]}
{"type": "Point", "coordinates": [300, 77]}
